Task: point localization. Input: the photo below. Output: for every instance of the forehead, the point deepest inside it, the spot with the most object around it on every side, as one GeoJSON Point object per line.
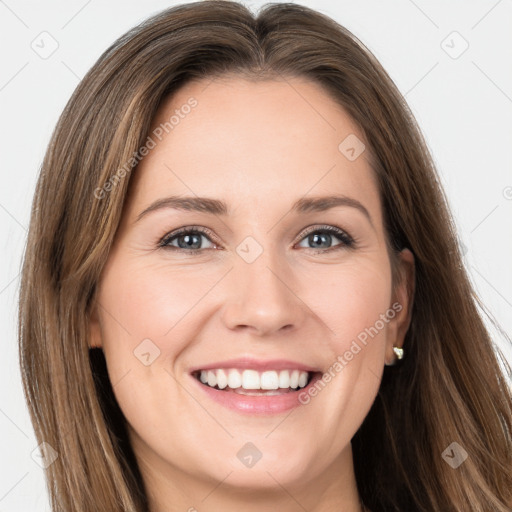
{"type": "Point", "coordinates": [254, 143]}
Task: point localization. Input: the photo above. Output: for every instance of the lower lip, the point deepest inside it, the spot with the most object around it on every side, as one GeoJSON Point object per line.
{"type": "Point", "coordinates": [258, 404]}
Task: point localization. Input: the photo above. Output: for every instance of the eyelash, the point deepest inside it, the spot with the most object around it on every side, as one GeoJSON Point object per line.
{"type": "Point", "coordinates": [347, 241]}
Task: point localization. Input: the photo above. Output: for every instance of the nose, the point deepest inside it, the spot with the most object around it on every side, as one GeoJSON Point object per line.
{"type": "Point", "coordinates": [260, 297]}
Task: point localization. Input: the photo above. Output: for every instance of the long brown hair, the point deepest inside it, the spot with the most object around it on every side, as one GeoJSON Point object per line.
{"type": "Point", "coordinates": [449, 388]}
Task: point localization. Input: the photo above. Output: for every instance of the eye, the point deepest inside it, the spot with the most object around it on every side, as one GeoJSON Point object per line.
{"type": "Point", "coordinates": [318, 235]}
{"type": "Point", "coordinates": [189, 239]}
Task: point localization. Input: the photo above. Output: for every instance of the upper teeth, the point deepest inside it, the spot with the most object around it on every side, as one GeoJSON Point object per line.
{"type": "Point", "coordinates": [252, 379]}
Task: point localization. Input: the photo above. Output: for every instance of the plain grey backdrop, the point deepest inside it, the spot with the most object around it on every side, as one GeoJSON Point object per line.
{"type": "Point", "coordinates": [451, 60]}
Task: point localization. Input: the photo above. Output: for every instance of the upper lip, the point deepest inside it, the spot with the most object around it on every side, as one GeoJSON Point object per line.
{"type": "Point", "coordinates": [249, 363]}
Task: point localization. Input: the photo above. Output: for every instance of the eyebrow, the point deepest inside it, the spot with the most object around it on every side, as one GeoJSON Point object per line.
{"type": "Point", "coordinates": [218, 207]}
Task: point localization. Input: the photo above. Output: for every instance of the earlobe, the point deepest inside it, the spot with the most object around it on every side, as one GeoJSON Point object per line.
{"type": "Point", "coordinates": [403, 299]}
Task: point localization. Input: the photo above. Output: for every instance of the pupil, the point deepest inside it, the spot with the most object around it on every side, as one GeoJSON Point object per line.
{"type": "Point", "coordinates": [189, 241]}
{"type": "Point", "coordinates": [314, 238]}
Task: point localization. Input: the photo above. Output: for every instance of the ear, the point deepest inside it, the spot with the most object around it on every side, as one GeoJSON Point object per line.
{"type": "Point", "coordinates": [94, 327]}
{"type": "Point", "coordinates": [402, 301]}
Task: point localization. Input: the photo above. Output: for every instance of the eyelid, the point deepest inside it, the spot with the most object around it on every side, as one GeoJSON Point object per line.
{"type": "Point", "coordinates": [342, 234]}
{"type": "Point", "coordinates": [321, 227]}
{"type": "Point", "coordinates": [200, 229]}
{"type": "Point", "coordinates": [348, 241]}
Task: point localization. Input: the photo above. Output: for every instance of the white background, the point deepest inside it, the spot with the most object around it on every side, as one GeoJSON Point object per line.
{"type": "Point", "coordinates": [463, 105]}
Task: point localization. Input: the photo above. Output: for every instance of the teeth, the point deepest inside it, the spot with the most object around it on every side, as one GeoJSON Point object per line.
{"type": "Point", "coordinates": [234, 379]}
{"type": "Point", "coordinates": [222, 379]}
{"type": "Point", "coordinates": [284, 379]}
{"type": "Point", "coordinates": [294, 379]}
{"type": "Point", "coordinates": [270, 380]}
{"type": "Point", "coordinates": [252, 379]}
{"type": "Point", "coordinates": [212, 379]}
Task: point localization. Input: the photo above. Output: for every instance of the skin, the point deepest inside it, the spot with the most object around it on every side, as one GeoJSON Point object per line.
{"type": "Point", "coordinates": [259, 147]}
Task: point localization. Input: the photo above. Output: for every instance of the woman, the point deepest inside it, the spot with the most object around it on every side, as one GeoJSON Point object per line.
{"type": "Point", "coordinates": [184, 342]}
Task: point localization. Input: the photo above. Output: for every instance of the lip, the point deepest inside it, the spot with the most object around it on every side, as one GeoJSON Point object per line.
{"type": "Point", "coordinates": [260, 405]}
{"type": "Point", "coordinates": [250, 363]}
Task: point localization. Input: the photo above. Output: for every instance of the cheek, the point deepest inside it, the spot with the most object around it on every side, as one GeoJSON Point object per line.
{"type": "Point", "coordinates": [150, 300]}
{"type": "Point", "coordinates": [147, 320]}
{"type": "Point", "coordinates": [148, 316]}
{"type": "Point", "coordinates": [350, 300]}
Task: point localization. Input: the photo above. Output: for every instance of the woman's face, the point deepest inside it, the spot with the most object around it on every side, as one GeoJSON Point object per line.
{"type": "Point", "coordinates": [264, 289]}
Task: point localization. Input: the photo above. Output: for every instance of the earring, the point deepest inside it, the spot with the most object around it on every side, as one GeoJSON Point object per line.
{"type": "Point", "coordinates": [399, 352]}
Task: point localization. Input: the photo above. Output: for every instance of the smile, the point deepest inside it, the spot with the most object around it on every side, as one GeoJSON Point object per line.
{"type": "Point", "coordinates": [239, 380]}
{"type": "Point", "coordinates": [251, 391]}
